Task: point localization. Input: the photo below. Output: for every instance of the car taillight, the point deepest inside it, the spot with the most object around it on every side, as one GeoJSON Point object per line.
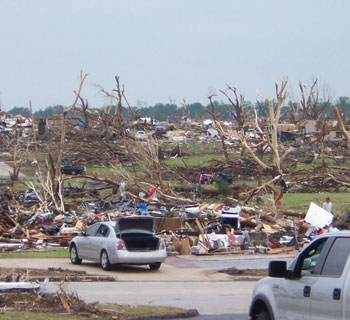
{"type": "Point", "coordinates": [162, 244]}
{"type": "Point", "coordinates": [120, 245]}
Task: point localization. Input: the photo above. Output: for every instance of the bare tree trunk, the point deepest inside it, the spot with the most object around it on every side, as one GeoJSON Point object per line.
{"type": "Point", "coordinates": [219, 129]}
{"type": "Point", "coordinates": [261, 152]}
{"type": "Point", "coordinates": [57, 177]}
{"type": "Point", "coordinates": [34, 133]}
{"type": "Point", "coordinates": [342, 128]}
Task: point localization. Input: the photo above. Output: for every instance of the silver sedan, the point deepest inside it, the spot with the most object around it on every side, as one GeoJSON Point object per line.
{"type": "Point", "coordinates": [129, 240]}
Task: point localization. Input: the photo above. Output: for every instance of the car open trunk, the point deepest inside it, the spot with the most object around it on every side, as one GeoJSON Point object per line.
{"type": "Point", "coordinates": [137, 232]}
{"type": "Point", "coordinates": [140, 241]}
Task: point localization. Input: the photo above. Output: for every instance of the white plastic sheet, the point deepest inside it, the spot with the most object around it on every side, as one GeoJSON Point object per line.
{"type": "Point", "coordinates": [318, 217]}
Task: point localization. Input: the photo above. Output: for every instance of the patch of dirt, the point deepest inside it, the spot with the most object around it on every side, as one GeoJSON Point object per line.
{"type": "Point", "coordinates": [245, 272]}
{"type": "Point", "coordinates": [54, 274]}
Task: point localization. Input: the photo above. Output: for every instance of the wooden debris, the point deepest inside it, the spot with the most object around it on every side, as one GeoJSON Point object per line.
{"type": "Point", "coordinates": [282, 250]}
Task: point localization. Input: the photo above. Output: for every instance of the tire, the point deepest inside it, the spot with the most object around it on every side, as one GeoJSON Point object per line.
{"type": "Point", "coordinates": [73, 254]}
{"type": "Point", "coordinates": [105, 264]}
{"type": "Point", "coordinates": [155, 266]}
{"type": "Point", "coordinates": [264, 315]}
{"type": "Point", "coordinates": [73, 173]}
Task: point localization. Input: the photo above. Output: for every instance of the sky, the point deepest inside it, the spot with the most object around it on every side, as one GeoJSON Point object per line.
{"type": "Point", "coordinates": [166, 51]}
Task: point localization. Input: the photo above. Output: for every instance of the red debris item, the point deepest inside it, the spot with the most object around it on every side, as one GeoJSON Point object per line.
{"type": "Point", "coordinates": [232, 240]}
{"type": "Point", "coordinates": [274, 243]}
{"type": "Point", "coordinates": [280, 196]}
{"type": "Point", "coordinates": [320, 231]}
{"type": "Point", "coordinates": [153, 190]}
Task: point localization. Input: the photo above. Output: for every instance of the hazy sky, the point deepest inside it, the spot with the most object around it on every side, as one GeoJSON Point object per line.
{"type": "Point", "coordinates": [169, 50]}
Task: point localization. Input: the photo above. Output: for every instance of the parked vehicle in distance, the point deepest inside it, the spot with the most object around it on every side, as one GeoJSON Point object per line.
{"type": "Point", "coordinates": [315, 286]}
{"type": "Point", "coordinates": [72, 169]}
{"type": "Point", "coordinates": [163, 127]}
{"type": "Point", "coordinates": [141, 135]}
{"type": "Point", "coordinates": [196, 176]}
{"type": "Point", "coordinates": [129, 240]}
{"type": "Point", "coordinates": [224, 177]}
{"type": "Point", "coordinates": [30, 198]}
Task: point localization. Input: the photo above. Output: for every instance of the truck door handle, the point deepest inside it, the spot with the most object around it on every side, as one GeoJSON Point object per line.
{"type": "Point", "coordinates": [336, 293]}
{"type": "Point", "coordinates": [307, 291]}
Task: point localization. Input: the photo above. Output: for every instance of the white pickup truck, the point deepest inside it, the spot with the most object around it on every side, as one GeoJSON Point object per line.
{"type": "Point", "coordinates": [316, 285]}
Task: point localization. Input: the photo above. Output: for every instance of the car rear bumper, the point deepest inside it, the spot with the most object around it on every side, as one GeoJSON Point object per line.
{"type": "Point", "coordinates": [138, 257]}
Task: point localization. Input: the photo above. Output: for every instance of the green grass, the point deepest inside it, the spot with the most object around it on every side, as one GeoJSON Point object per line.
{"type": "Point", "coordinates": [195, 161]}
{"type": "Point", "coordinates": [196, 148]}
{"type": "Point", "coordinates": [301, 201]}
{"type": "Point", "coordinates": [98, 170]}
{"type": "Point", "coordinates": [56, 253]}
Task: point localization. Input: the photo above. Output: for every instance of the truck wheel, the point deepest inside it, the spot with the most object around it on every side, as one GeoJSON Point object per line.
{"type": "Point", "coordinates": [73, 173]}
{"type": "Point", "coordinates": [263, 316]}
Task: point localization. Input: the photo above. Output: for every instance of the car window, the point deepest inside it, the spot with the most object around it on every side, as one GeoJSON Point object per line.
{"type": "Point", "coordinates": [103, 231]}
{"type": "Point", "coordinates": [311, 257]}
{"type": "Point", "coordinates": [92, 230]}
{"type": "Point", "coordinates": [337, 257]}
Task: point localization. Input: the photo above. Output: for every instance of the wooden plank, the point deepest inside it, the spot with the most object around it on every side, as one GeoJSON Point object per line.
{"type": "Point", "coordinates": [177, 244]}
{"type": "Point", "coordinates": [204, 234]}
{"type": "Point", "coordinates": [185, 246]}
{"type": "Point", "coordinates": [281, 250]}
{"type": "Point", "coordinates": [193, 240]}
{"type": "Point", "coordinates": [189, 226]}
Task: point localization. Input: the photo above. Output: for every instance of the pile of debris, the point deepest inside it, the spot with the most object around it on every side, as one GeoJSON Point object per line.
{"type": "Point", "coordinates": [33, 300]}
{"type": "Point", "coordinates": [197, 228]}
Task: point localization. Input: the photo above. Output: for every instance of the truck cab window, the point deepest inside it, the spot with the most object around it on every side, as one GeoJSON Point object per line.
{"type": "Point", "coordinates": [337, 257]}
{"type": "Point", "coordinates": [311, 257]}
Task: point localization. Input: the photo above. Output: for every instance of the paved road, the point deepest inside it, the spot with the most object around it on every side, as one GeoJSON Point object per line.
{"type": "Point", "coordinates": [208, 297]}
{"type": "Point", "coordinates": [181, 268]}
{"type": "Point", "coordinates": [186, 281]}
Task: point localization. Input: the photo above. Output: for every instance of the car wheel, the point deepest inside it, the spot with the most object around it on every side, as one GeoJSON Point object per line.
{"type": "Point", "coordinates": [74, 258]}
{"type": "Point", "coordinates": [155, 266]}
{"type": "Point", "coordinates": [105, 264]}
{"type": "Point", "coordinates": [263, 316]}
{"type": "Point", "coordinates": [73, 172]}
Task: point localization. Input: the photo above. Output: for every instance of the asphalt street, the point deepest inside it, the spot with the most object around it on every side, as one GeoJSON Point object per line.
{"type": "Point", "coordinates": [188, 282]}
{"type": "Point", "coordinates": [219, 298]}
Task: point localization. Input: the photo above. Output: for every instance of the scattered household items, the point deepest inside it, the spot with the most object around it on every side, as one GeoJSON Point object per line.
{"type": "Point", "coordinates": [31, 198]}
{"type": "Point", "coordinates": [191, 227]}
{"type": "Point", "coordinates": [231, 216]}
{"type": "Point", "coordinates": [196, 176]}
{"type": "Point", "coordinates": [141, 135]}
{"type": "Point", "coordinates": [23, 286]}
